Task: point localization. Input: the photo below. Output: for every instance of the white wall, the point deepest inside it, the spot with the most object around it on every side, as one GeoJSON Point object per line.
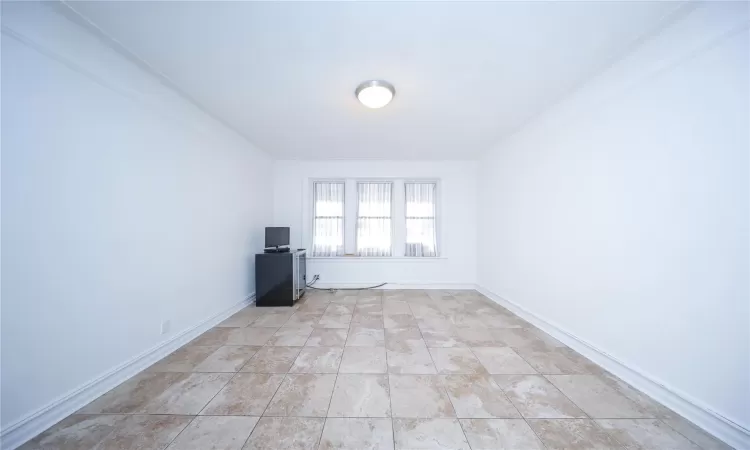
{"type": "Point", "coordinates": [456, 221]}
{"type": "Point", "coordinates": [122, 205]}
{"type": "Point", "coordinates": [622, 214]}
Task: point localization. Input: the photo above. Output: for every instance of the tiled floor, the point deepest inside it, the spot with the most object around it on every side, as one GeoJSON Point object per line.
{"type": "Point", "coordinates": [375, 370]}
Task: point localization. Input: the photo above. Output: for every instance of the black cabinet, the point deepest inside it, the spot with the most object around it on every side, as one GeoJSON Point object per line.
{"type": "Point", "coordinates": [280, 278]}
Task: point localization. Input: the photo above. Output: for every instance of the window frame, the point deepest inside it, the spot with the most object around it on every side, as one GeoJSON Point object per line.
{"type": "Point", "coordinates": [359, 181]}
{"type": "Point", "coordinates": [437, 218]}
{"type": "Point", "coordinates": [311, 199]}
{"type": "Point", "coordinates": [351, 206]}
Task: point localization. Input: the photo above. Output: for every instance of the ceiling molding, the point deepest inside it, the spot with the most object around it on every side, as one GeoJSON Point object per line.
{"type": "Point", "coordinates": [683, 8]}
{"type": "Point", "coordinates": [69, 12]}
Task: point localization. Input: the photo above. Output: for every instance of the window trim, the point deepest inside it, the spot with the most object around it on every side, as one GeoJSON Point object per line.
{"type": "Point", "coordinates": [359, 181]}
{"type": "Point", "coordinates": [437, 218]}
{"type": "Point", "coordinates": [397, 241]}
{"type": "Point", "coordinates": [311, 199]}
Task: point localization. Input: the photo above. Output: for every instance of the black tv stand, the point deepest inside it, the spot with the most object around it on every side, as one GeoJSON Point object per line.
{"type": "Point", "coordinates": [280, 278]}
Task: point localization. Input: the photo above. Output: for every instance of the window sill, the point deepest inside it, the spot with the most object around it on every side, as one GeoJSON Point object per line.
{"type": "Point", "coordinates": [377, 258]}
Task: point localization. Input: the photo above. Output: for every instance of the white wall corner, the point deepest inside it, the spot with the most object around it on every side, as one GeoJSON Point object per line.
{"type": "Point", "coordinates": [18, 433]}
{"type": "Point", "coordinates": [701, 415]}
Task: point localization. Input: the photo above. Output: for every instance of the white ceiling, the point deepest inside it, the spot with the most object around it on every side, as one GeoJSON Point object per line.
{"type": "Point", "coordinates": [466, 74]}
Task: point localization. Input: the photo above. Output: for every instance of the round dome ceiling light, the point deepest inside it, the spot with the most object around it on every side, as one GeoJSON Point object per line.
{"type": "Point", "coordinates": [375, 93]}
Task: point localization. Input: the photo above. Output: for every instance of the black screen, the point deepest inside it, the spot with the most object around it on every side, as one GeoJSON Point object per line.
{"type": "Point", "coordinates": [277, 236]}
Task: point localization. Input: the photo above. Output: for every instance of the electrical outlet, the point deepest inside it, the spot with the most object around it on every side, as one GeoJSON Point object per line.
{"type": "Point", "coordinates": [165, 327]}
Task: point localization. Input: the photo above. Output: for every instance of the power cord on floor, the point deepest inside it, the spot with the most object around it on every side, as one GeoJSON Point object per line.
{"type": "Point", "coordinates": [317, 277]}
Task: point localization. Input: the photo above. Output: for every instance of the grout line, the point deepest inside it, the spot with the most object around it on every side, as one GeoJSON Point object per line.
{"type": "Point", "coordinates": [442, 384]}
{"type": "Point", "coordinates": [201, 410]}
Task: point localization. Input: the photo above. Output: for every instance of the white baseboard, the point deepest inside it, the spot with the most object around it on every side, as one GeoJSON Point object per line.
{"type": "Point", "coordinates": [723, 428]}
{"type": "Point", "coordinates": [416, 285]}
{"type": "Point", "coordinates": [16, 434]}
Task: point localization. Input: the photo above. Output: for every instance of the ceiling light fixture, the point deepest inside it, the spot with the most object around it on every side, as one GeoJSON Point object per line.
{"type": "Point", "coordinates": [375, 93]}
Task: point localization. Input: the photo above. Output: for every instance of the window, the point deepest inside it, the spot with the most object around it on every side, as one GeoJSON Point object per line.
{"type": "Point", "coordinates": [421, 235]}
{"type": "Point", "coordinates": [328, 219]}
{"type": "Point", "coordinates": [374, 219]}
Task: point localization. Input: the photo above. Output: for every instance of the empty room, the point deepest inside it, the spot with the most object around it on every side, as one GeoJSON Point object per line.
{"type": "Point", "coordinates": [396, 225]}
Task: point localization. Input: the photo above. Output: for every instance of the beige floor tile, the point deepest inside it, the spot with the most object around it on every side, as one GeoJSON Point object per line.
{"type": "Point", "coordinates": [312, 309]}
{"type": "Point", "coordinates": [363, 360]}
{"type": "Point", "coordinates": [401, 332]}
{"type": "Point", "coordinates": [144, 433]}
{"type": "Point", "coordinates": [303, 320]}
{"type": "Point", "coordinates": [345, 300]}
{"type": "Point", "coordinates": [290, 337]}
{"type": "Point", "coordinates": [419, 396]}
{"type": "Point", "coordinates": [327, 337]}
{"type": "Point", "coordinates": [654, 408]}
{"type": "Point", "coordinates": [695, 434]}
{"type": "Point", "coordinates": [403, 339]}
{"type": "Point", "coordinates": [360, 336]}
{"type": "Point", "coordinates": [368, 320]}
{"type": "Point", "coordinates": [369, 308]}
{"type": "Point", "coordinates": [334, 321]}
{"type": "Point", "coordinates": [456, 360]}
{"type": "Point", "coordinates": [497, 320]}
{"type": "Point", "coordinates": [272, 319]}
{"type": "Point", "coordinates": [338, 309]}
{"type": "Point", "coordinates": [572, 434]}
{"type": "Point", "coordinates": [500, 434]}
{"type": "Point", "coordinates": [285, 433]}
{"type": "Point", "coordinates": [596, 398]}
{"type": "Point", "coordinates": [502, 360]}
{"type": "Point", "coordinates": [134, 394]}
{"type": "Point", "coordinates": [396, 307]}
{"type": "Point", "coordinates": [187, 395]}
{"type": "Point", "coordinates": [429, 434]}
{"type": "Point", "coordinates": [229, 358]}
{"type": "Point", "coordinates": [305, 395]}
{"type": "Point", "coordinates": [441, 338]}
{"type": "Point", "coordinates": [215, 433]}
{"type": "Point", "coordinates": [413, 361]}
{"type": "Point", "coordinates": [517, 337]}
{"type": "Point", "coordinates": [184, 359]}
{"type": "Point", "coordinates": [476, 337]}
{"type": "Point", "coordinates": [360, 396]}
{"type": "Point", "coordinates": [357, 434]}
{"type": "Point", "coordinates": [478, 396]}
{"type": "Point", "coordinates": [76, 432]}
{"type": "Point", "coordinates": [467, 320]}
{"type": "Point", "coordinates": [537, 398]}
{"type": "Point", "coordinates": [272, 360]}
{"type": "Point", "coordinates": [249, 336]}
{"type": "Point", "coordinates": [318, 360]}
{"type": "Point", "coordinates": [646, 434]}
{"type": "Point", "coordinates": [247, 394]}
{"type": "Point", "coordinates": [435, 323]}
{"type": "Point", "coordinates": [214, 337]}
{"type": "Point", "coordinates": [370, 296]}
{"type": "Point", "coordinates": [399, 320]}
{"type": "Point", "coordinates": [550, 361]}
{"type": "Point", "coordinates": [242, 318]}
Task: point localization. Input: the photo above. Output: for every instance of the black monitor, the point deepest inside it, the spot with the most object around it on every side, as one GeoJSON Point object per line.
{"type": "Point", "coordinates": [277, 236]}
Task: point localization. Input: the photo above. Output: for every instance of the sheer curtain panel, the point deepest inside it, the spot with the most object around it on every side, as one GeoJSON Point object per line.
{"type": "Point", "coordinates": [328, 219]}
{"type": "Point", "coordinates": [374, 229]}
{"type": "Point", "coordinates": [421, 232]}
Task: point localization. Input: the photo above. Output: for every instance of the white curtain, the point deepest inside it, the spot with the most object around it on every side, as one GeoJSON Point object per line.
{"type": "Point", "coordinates": [421, 234]}
{"type": "Point", "coordinates": [374, 219]}
{"type": "Point", "coordinates": [328, 219]}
